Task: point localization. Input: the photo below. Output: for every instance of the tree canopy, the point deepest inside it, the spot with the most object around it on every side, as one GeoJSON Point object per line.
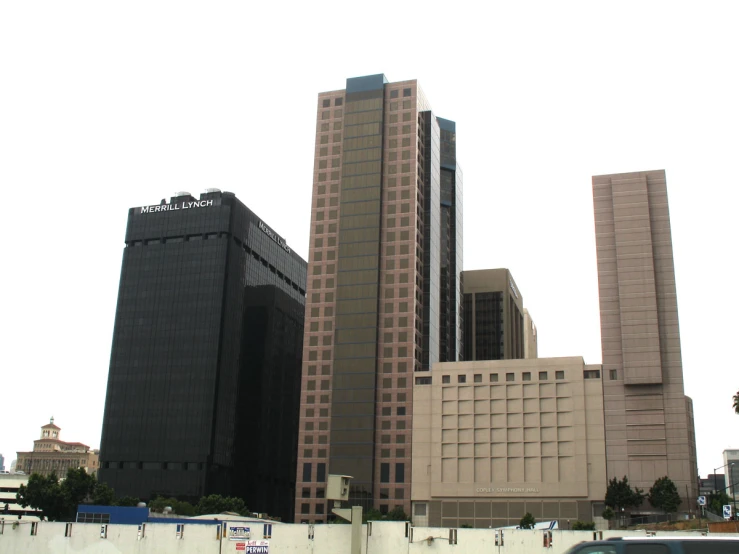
{"type": "Point", "coordinates": [58, 500]}
{"type": "Point", "coordinates": [736, 402]}
{"type": "Point", "coordinates": [179, 507]}
{"type": "Point", "coordinates": [215, 504]}
{"type": "Point", "coordinates": [664, 495]}
{"type": "Point", "coordinates": [717, 500]}
{"type": "Point", "coordinates": [527, 521]}
{"type": "Point", "coordinates": [620, 495]}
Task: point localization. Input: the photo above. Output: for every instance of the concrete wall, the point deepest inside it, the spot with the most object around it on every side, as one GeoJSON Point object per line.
{"type": "Point", "coordinates": [378, 538]}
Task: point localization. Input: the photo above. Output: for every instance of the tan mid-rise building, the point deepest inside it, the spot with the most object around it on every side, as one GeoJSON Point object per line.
{"type": "Point", "coordinates": [494, 326]}
{"type": "Point", "coordinates": [52, 455]}
{"type": "Point", "coordinates": [530, 338]}
{"type": "Point", "coordinates": [493, 440]}
{"type": "Point", "coordinates": [648, 418]}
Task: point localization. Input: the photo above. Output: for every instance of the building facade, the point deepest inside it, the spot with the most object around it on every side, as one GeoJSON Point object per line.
{"type": "Point", "coordinates": [10, 510]}
{"type": "Point", "coordinates": [494, 326]}
{"type": "Point", "coordinates": [493, 440]}
{"type": "Point", "coordinates": [188, 384]}
{"type": "Point", "coordinates": [649, 425]}
{"type": "Point", "coordinates": [731, 472]}
{"type": "Point", "coordinates": [2, 463]}
{"type": "Point", "coordinates": [384, 287]}
{"type": "Point", "coordinates": [530, 338]}
{"type": "Point", "coordinates": [52, 455]}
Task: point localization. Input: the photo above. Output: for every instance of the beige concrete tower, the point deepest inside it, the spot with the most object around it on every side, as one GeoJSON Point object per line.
{"type": "Point", "coordinates": [649, 427]}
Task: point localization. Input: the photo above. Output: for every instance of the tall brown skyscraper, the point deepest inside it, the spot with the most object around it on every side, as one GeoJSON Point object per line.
{"type": "Point", "coordinates": [383, 293]}
{"type": "Point", "coordinates": [648, 418]}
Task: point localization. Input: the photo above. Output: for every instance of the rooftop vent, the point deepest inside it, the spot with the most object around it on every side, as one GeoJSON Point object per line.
{"type": "Point", "coordinates": [182, 193]}
{"type": "Point", "coordinates": [207, 191]}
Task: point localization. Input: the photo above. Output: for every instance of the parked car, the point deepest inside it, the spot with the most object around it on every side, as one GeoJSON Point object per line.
{"type": "Point", "coordinates": [659, 545]}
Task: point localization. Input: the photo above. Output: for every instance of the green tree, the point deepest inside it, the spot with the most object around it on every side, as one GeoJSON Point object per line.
{"type": "Point", "coordinates": [103, 495]}
{"type": "Point", "coordinates": [184, 508]}
{"type": "Point", "coordinates": [397, 514]}
{"type": "Point", "coordinates": [664, 495]}
{"type": "Point", "coordinates": [717, 500]}
{"type": "Point", "coordinates": [127, 501]}
{"type": "Point", "coordinates": [216, 504]}
{"type": "Point", "coordinates": [608, 513]}
{"type": "Point", "coordinates": [373, 514]}
{"type": "Point", "coordinates": [583, 526]}
{"type": "Point", "coordinates": [76, 487]}
{"type": "Point", "coordinates": [736, 403]}
{"type": "Point", "coordinates": [620, 495]}
{"type": "Point", "coordinates": [527, 521]}
{"type": "Point", "coordinates": [179, 507]}
{"type": "Point", "coordinates": [43, 493]}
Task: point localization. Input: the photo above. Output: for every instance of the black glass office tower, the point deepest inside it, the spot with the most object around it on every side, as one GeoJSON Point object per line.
{"type": "Point", "coordinates": [205, 362]}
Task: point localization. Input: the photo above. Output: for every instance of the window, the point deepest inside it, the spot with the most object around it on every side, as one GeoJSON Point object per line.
{"type": "Point", "coordinates": [526, 376]}
{"type": "Point", "coordinates": [602, 549]}
{"type": "Point", "coordinates": [510, 377]}
{"type": "Point", "coordinates": [445, 379]}
{"type": "Point", "coordinates": [400, 473]}
{"type": "Point", "coordinates": [401, 410]}
{"type": "Point", "coordinates": [326, 102]}
{"type": "Point", "coordinates": [307, 470]}
{"type": "Point", "coordinates": [423, 380]}
{"type": "Point", "coordinates": [384, 473]}
{"type": "Point", "coordinates": [493, 377]}
{"type": "Point", "coordinates": [393, 94]}
{"type": "Point", "coordinates": [477, 378]}
{"type": "Point", "coordinates": [338, 102]}
{"type": "Point", "coordinates": [543, 376]}
{"type": "Point", "coordinates": [652, 548]}
{"type": "Point", "coordinates": [461, 378]}
{"type": "Point", "coordinates": [406, 92]}
{"type": "Point", "coordinates": [591, 374]}
{"type": "Point", "coordinates": [559, 375]}
{"type": "Point", "coordinates": [305, 508]}
{"type": "Point", "coordinates": [320, 473]}
{"type": "Point", "coordinates": [613, 375]}
{"type": "Point", "coordinates": [419, 509]}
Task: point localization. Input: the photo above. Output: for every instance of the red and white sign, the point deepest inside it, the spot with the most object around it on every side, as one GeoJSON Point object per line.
{"type": "Point", "coordinates": [240, 546]}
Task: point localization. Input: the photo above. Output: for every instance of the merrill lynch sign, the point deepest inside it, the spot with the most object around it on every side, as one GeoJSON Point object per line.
{"type": "Point", "coordinates": [177, 206]}
{"type": "Point", "coordinates": [274, 236]}
{"type": "Point", "coordinates": [509, 490]}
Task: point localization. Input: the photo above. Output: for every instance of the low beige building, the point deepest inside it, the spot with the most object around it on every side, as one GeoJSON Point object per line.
{"type": "Point", "coordinates": [493, 440]}
{"type": "Point", "coordinates": [52, 455]}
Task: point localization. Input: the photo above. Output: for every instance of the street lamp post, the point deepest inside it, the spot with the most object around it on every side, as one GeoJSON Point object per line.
{"type": "Point", "coordinates": [715, 476]}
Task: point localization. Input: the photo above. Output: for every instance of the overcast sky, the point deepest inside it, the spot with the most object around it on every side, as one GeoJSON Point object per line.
{"type": "Point", "coordinates": [105, 106]}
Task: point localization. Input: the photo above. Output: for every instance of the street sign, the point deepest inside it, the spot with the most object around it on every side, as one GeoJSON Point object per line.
{"type": "Point", "coordinates": [701, 501]}
{"type": "Point", "coordinates": [727, 511]}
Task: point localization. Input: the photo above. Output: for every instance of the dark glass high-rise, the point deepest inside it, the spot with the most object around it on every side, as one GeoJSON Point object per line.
{"type": "Point", "coordinates": [204, 382]}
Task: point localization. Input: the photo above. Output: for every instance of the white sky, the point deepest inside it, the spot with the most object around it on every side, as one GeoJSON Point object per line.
{"type": "Point", "coordinates": [105, 106]}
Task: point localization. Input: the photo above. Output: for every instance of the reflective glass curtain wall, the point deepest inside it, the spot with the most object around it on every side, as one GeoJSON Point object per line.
{"type": "Point", "coordinates": [352, 435]}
